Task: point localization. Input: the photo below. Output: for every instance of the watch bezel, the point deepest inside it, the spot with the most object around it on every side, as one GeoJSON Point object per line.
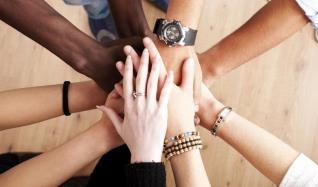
{"type": "Point", "coordinates": [182, 30]}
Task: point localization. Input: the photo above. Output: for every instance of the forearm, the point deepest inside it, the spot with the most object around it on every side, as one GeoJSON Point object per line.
{"type": "Point", "coordinates": [129, 18]}
{"type": "Point", "coordinates": [275, 22]}
{"type": "Point", "coordinates": [188, 169]}
{"type": "Point", "coordinates": [265, 152]}
{"type": "Point", "coordinates": [37, 20]}
{"type": "Point", "coordinates": [188, 12]}
{"type": "Point", "coordinates": [46, 103]}
{"type": "Point", "coordinates": [55, 167]}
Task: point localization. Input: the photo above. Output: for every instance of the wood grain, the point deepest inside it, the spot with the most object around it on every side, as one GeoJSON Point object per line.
{"type": "Point", "coordinates": [278, 90]}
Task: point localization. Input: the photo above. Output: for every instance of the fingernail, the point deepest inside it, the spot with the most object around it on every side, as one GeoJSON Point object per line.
{"type": "Point", "coordinates": [119, 65]}
{"type": "Point", "coordinates": [196, 108]}
{"type": "Point", "coordinates": [190, 60]}
{"type": "Point", "coordinates": [146, 39]}
{"type": "Point", "coordinates": [98, 107]}
{"type": "Point", "coordinates": [114, 94]}
{"type": "Point", "coordinates": [127, 49]}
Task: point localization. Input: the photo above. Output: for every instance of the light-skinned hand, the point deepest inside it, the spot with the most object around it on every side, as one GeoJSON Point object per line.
{"type": "Point", "coordinates": [145, 122]}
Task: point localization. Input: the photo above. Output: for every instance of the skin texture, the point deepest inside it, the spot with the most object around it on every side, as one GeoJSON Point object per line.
{"type": "Point", "coordinates": [272, 157]}
{"type": "Point", "coordinates": [130, 20]}
{"type": "Point", "coordinates": [188, 168]}
{"type": "Point", "coordinates": [86, 55]}
{"type": "Point", "coordinates": [145, 123]}
{"type": "Point", "coordinates": [188, 12]}
{"type": "Point", "coordinates": [56, 166]}
{"type": "Point", "coordinates": [46, 103]}
{"type": "Point", "coordinates": [275, 22]}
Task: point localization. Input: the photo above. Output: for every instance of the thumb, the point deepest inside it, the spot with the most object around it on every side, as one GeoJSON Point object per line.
{"type": "Point", "coordinates": [113, 116]}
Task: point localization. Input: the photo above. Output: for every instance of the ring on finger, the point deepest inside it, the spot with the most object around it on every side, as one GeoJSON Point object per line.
{"type": "Point", "coordinates": [137, 94]}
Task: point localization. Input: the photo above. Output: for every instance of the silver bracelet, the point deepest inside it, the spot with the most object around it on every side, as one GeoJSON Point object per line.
{"type": "Point", "coordinates": [221, 119]}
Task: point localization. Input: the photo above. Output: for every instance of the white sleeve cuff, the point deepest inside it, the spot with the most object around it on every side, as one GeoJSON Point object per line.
{"type": "Point", "coordinates": [310, 7]}
{"type": "Point", "coordinates": [302, 173]}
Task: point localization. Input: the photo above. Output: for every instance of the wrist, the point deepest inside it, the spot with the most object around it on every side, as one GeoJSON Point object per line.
{"type": "Point", "coordinates": [179, 128]}
{"type": "Point", "coordinates": [130, 20]}
{"type": "Point", "coordinates": [210, 69]}
{"type": "Point", "coordinates": [147, 155]}
{"type": "Point", "coordinates": [106, 137]}
{"type": "Point", "coordinates": [208, 112]}
{"type": "Point", "coordinates": [80, 96]}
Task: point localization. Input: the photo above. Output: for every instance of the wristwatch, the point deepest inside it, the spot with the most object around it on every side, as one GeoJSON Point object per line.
{"type": "Point", "coordinates": [173, 33]}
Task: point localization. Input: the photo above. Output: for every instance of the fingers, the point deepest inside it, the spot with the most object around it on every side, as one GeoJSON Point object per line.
{"type": "Point", "coordinates": [188, 75]}
{"type": "Point", "coordinates": [128, 50]}
{"type": "Point", "coordinates": [197, 83]}
{"type": "Point", "coordinates": [119, 89]}
{"type": "Point", "coordinates": [153, 82]}
{"type": "Point", "coordinates": [113, 116]}
{"type": "Point", "coordinates": [142, 75]}
{"type": "Point", "coordinates": [166, 90]}
{"type": "Point", "coordinates": [128, 83]}
{"type": "Point", "coordinates": [120, 67]}
{"type": "Point", "coordinates": [154, 55]}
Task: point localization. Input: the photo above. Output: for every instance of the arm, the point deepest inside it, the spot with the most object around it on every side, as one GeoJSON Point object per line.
{"type": "Point", "coordinates": [37, 20]}
{"type": "Point", "coordinates": [275, 22]}
{"type": "Point", "coordinates": [46, 103]}
{"type": "Point", "coordinates": [188, 168]}
{"type": "Point", "coordinates": [129, 18]}
{"type": "Point", "coordinates": [267, 153]}
{"type": "Point", "coordinates": [188, 12]}
{"type": "Point", "coordinates": [56, 166]}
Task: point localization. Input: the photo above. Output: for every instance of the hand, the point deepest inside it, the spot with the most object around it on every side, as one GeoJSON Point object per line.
{"type": "Point", "coordinates": [173, 58]}
{"type": "Point", "coordinates": [181, 104]}
{"type": "Point", "coordinates": [99, 64]}
{"type": "Point", "coordinates": [145, 123]}
{"type": "Point", "coordinates": [172, 61]}
{"type": "Point", "coordinates": [115, 101]}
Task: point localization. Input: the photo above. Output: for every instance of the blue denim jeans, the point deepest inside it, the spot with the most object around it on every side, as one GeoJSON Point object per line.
{"type": "Point", "coordinates": [96, 9]}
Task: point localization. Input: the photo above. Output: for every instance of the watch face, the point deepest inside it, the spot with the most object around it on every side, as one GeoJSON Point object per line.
{"type": "Point", "coordinates": [172, 32]}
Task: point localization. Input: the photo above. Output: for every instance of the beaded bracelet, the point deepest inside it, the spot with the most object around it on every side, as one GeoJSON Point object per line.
{"type": "Point", "coordinates": [182, 146]}
{"type": "Point", "coordinates": [182, 143]}
{"type": "Point", "coordinates": [168, 156]}
{"type": "Point", "coordinates": [180, 136]}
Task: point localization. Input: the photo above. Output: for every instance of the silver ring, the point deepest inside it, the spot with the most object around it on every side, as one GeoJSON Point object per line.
{"type": "Point", "coordinates": [137, 94]}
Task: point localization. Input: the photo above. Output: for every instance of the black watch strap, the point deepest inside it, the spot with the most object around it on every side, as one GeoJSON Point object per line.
{"type": "Point", "coordinates": [190, 37]}
{"type": "Point", "coordinates": [158, 25]}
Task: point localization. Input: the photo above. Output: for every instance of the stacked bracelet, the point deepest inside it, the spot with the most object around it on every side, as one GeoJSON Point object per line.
{"type": "Point", "coordinates": [182, 143]}
{"type": "Point", "coordinates": [170, 140]}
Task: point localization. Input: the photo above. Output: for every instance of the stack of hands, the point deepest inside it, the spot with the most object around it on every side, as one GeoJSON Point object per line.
{"type": "Point", "coordinates": [154, 107]}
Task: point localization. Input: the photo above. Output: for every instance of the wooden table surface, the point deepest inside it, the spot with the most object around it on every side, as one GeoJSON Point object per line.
{"type": "Point", "coordinates": [278, 90]}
